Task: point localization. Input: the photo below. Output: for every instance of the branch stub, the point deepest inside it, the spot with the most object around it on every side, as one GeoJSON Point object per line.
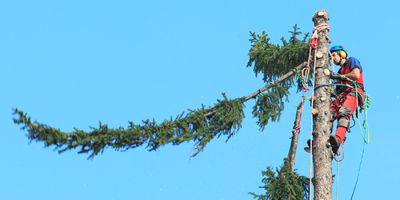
{"type": "Point", "coordinates": [319, 54]}
{"type": "Point", "coordinates": [314, 111]}
{"type": "Point", "coordinates": [327, 72]}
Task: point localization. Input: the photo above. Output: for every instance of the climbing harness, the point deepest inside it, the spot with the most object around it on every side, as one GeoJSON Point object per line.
{"type": "Point", "coordinates": [365, 104]}
{"type": "Point", "coordinates": [344, 85]}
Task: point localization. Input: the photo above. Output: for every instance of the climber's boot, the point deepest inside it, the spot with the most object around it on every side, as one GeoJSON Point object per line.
{"type": "Point", "coordinates": [307, 149]}
{"type": "Point", "coordinates": [335, 143]}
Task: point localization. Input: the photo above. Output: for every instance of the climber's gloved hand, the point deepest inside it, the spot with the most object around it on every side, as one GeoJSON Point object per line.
{"type": "Point", "coordinates": [336, 77]}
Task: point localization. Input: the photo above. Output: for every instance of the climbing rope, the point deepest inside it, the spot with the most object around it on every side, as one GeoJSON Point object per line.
{"type": "Point", "coordinates": [365, 123]}
{"type": "Point", "coordinates": [359, 169]}
{"type": "Point", "coordinates": [311, 121]}
{"type": "Point", "coordinates": [366, 104]}
{"type": "Point", "coordinates": [338, 155]}
{"type": "Point", "coordinates": [337, 178]}
{"type": "Point", "coordinates": [333, 67]}
{"type": "Point", "coordinates": [321, 27]}
{"type": "Point", "coordinates": [338, 160]}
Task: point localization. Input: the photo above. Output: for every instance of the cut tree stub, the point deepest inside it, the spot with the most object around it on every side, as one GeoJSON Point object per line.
{"type": "Point", "coordinates": [314, 111]}
{"type": "Point", "coordinates": [327, 72]}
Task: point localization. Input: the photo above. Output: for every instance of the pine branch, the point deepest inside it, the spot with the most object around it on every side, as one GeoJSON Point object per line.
{"type": "Point", "coordinates": [282, 184]}
{"type": "Point", "coordinates": [273, 61]}
{"type": "Point", "coordinates": [196, 126]}
{"type": "Point", "coordinates": [201, 125]}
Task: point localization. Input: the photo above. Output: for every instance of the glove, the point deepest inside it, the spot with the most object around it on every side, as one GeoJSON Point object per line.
{"type": "Point", "coordinates": [336, 77]}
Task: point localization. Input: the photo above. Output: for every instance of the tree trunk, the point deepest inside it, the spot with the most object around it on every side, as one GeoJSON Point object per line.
{"type": "Point", "coordinates": [322, 154]}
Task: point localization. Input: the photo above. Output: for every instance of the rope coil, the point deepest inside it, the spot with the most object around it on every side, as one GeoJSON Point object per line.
{"type": "Point", "coordinates": [321, 27]}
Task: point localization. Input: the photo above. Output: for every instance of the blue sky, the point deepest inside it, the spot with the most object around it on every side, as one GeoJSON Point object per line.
{"type": "Point", "coordinates": [73, 64]}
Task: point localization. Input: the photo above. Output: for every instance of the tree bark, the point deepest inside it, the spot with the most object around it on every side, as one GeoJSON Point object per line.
{"type": "Point", "coordinates": [322, 154]}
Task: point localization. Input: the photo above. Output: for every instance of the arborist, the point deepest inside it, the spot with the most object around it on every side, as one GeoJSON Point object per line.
{"type": "Point", "coordinates": [345, 102]}
{"type": "Point", "coordinates": [347, 98]}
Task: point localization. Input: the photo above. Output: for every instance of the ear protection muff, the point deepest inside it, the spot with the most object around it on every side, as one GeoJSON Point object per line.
{"type": "Point", "coordinates": [343, 54]}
